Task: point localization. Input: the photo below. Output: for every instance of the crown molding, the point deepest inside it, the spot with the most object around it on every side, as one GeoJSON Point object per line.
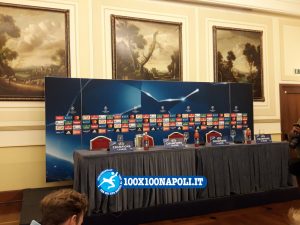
{"type": "Point", "coordinates": [287, 7]}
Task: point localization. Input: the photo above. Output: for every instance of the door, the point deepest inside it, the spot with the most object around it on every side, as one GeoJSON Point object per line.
{"type": "Point", "coordinates": [289, 107]}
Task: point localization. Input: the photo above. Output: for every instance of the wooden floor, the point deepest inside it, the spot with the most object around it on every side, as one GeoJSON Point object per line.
{"type": "Point", "coordinates": [10, 207]}
{"type": "Point", "coordinates": [272, 214]}
{"type": "Point", "coordinates": [10, 213]}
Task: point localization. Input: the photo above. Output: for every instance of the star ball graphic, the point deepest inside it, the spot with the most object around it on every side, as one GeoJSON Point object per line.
{"type": "Point", "coordinates": [109, 182]}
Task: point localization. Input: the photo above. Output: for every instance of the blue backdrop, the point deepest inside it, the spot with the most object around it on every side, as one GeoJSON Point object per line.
{"type": "Point", "coordinates": [78, 110]}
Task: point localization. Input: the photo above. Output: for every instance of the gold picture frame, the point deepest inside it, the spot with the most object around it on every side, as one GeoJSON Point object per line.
{"type": "Point", "coordinates": [34, 43]}
{"type": "Point", "coordinates": [144, 49]}
{"type": "Point", "coordinates": [238, 57]}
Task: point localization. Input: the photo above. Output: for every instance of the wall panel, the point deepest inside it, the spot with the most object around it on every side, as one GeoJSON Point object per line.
{"type": "Point", "coordinates": [22, 123]}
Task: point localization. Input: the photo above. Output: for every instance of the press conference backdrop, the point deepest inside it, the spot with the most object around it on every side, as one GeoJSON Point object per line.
{"type": "Point", "coordinates": [78, 110]}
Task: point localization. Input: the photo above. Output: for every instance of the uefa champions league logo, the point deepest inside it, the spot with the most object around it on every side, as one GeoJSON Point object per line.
{"type": "Point", "coordinates": [109, 182]}
{"type": "Point", "coordinates": [162, 109]}
{"type": "Point", "coordinates": [236, 108]}
{"type": "Point", "coordinates": [105, 109]}
{"type": "Point", "coordinates": [212, 108]}
{"type": "Point", "coordinates": [72, 110]}
{"type": "Point", "coordinates": [188, 109]}
{"type": "Point", "coordinates": [135, 109]}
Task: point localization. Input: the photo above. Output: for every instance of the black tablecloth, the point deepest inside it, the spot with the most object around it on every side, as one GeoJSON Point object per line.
{"type": "Point", "coordinates": [238, 169]}
{"type": "Point", "coordinates": [243, 169]}
{"type": "Point", "coordinates": [158, 162]}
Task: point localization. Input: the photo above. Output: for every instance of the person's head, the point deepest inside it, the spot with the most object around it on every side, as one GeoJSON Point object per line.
{"type": "Point", "coordinates": [294, 139]}
{"type": "Point", "coordinates": [63, 207]}
{"type": "Point", "coordinates": [297, 124]}
{"type": "Point", "coordinates": [294, 216]}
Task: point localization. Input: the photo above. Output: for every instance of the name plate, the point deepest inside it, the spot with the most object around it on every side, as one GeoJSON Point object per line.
{"type": "Point", "coordinates": [121, 146]}
{"type": "Point", "coordinates": [263, 138]}
{"type": "Point", "coordinates": [219, 141]}
{"type": "Point", "coordinates": [174, 143]}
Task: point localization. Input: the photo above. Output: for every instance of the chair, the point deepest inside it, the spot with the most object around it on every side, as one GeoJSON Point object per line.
{"type": "Point", "coordinates": [176, 135]}
{"type": "Point", "coordinates": [212, 135]}
{"type": "Point", "coordinates": [99, 143]}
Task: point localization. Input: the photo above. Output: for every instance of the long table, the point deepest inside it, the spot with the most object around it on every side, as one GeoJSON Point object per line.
{"type": "Point", "coordinates": [233, 169]}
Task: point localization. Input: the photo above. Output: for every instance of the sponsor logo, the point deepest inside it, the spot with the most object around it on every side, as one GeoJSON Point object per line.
{"type": "Point", "coordinates": [102, 121]}
{"type": "Point", "coordinates": [76, 132]}
{"type": "Point", "coordinates": [76, 122]}
{"type": "Point", "coordinates": [60, 122]}
{"type": "Point", "coordinates": [166, 128]}
{"type": "Point", "coordinates": [59, 127]}
{"type": "Point", "coordinates": [185, 127]}
{"type": "Point", "coordinates": [86, 126]}
{"type": "Point", "coordinates": [132, 125]}
{"type": "Point", "coordinates": [117, 121]}
{"type": "Point", "coordinates": [146, 116]}
{"type": "Point", "coordinates": [94, 117]}
{"type": "Point", "coordinates": [124, 120]}
{"type": "Point", "coordinates": [185, 115]}
{"type": "Point", "coordinates": [94, 121]}
{"type": "Point", "coordinates": [139, 116]}
{"type": "Point", "coordinates": [117, 125]}
{"type": "Point", "coordinates": [159, 120]}
{"type": "Point", "coordinates": [86, 117]}
{"type": "Point", "coordinates": [101, 131]}
{"type": "Point", "coordinates": [109, 182]}
{"type": "Point", "coordinates": [76, 127]}
{"type": "Point", "coordinates": [152, 120]}
{"type": "Point", "coordinates": [68, 127]}
{"type": "Point", "coordinates": [109, 117]}
{"type": "Point", "coordinates": [76, 117]}
{"type": "Point", "coordinates": [117, 117]}
{"type": "Point", "coordinates": [68, 122]}
{"type": "Point", "coordinates": [109, 121]}
{"type": "Point", "coordinates": [59, 117]}
{"type": "Point", "coordinates": [94, 126]}
{"type": "Point", "coordinates": [124, 129]}
{"type": "Point", "coordinates": [159, 115]}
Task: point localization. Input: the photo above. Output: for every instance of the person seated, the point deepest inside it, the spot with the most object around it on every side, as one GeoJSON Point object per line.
{"type": "Point", "coordinates": [63, 207]}
{"type": "Point", "coordinates": [294, 138]}
{"type": "Point", "coordinates": [294, 143]}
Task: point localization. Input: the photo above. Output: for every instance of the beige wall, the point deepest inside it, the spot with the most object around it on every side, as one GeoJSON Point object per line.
{"type": "Point", "coordinates": [22, 135]}
{"type": "Point", "coordinates": [24, 167]}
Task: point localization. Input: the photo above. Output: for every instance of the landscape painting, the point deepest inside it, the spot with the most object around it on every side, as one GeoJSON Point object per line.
{"type": "Point", "coordinates": [238, 58]}
{"type": "Point", "coordinates": [145, 49]}
{"type": "Point", "coordinates": [33, 44]}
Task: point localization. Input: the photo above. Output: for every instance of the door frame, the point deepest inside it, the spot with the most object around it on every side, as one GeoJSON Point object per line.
{"type": "Point", "coordinates": [282, 93]}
